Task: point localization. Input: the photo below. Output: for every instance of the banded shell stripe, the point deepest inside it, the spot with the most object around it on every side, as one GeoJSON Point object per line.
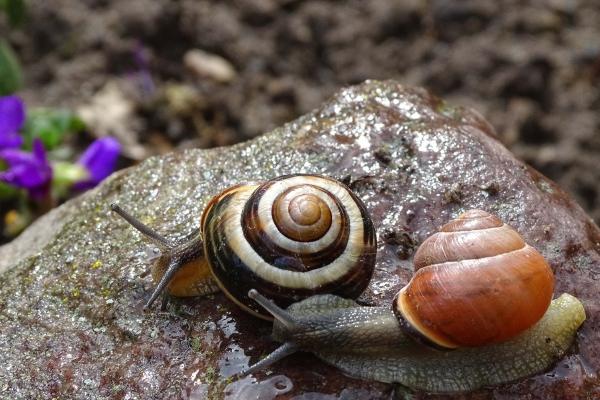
{"type": "Point", "coordinates": [290, 279]}
{"type": "Point", "coordinates": [306, 255]}
{"type": "Point", "coordinates": [236, 279]}
{"type": "Point", "coordinates": [237, 267]}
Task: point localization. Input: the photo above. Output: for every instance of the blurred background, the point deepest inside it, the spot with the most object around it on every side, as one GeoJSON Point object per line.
{"type": "Point", "coordinates": [160, 75]}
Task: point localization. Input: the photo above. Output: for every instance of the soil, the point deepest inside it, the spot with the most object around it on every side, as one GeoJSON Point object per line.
{"type": "Point", "coordinates": [531, 68]}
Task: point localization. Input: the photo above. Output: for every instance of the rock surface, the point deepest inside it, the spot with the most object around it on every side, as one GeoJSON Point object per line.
{"type": "Point", "coordinates": [71, 319]}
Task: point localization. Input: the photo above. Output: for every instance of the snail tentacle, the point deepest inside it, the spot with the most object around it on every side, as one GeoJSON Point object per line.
{"type": "Point", "coordinates": [141, 227]}
{"type": "Point", "coordinates": [277, 312]}
{"type": "Point", "coordinates": [183, 263]}
{"type": "Point", "coordinates": [176, 260]}
{"type": "Point", "coordinates": [283, 318]}
{"type": "Point", "coordinates": [281, 352]}
{"type": "Point", "coordinates": [330, 322]}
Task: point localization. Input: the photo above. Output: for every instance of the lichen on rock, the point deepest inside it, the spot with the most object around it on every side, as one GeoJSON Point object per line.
{"type": "Point", "coordinates": [72, 324]}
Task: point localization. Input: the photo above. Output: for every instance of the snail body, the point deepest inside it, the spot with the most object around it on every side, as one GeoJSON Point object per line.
{"type": "Point", "coordinates": [497, 340]}
{"type": "Point", "coordinates": [292, 237]}
{"type": "Point", "coordinates": [368, 343]}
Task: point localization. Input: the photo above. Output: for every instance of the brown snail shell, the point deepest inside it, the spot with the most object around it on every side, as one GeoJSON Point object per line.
{"type": "Point", "coordinates": [476, 283]}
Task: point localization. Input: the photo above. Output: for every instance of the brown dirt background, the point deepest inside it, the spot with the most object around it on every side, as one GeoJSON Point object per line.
{"type": "Point", "coordinates": [532, 68]}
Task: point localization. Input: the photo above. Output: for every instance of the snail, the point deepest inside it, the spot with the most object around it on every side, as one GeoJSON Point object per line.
{"type": "Point", "coordinates": [477, 312]}
{"type": "Point", "coordinates": [292, 237]}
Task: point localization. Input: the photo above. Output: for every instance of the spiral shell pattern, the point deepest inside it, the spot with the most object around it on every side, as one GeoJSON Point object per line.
{"type": "Point", "coordinates": [290, 238]}
{"type": "Point", "coordinates": [477, 282]}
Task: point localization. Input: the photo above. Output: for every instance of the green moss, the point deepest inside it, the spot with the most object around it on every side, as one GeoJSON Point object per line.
{"type": "Point", "coordinates": [448, 110]}
{"type": "Point", "coordinates": [196, 344]}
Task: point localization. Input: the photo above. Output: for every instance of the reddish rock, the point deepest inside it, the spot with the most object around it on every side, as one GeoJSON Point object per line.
{"type": "Point", "coordinates": [72, 325]}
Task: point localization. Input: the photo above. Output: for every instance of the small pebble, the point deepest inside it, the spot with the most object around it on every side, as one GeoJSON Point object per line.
{"type": "Point", "coordinates": [211, 66]}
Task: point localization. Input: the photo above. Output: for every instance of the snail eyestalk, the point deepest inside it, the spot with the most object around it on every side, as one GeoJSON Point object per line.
{"type": "Point", "coordinates": [277, 312]}
{"type": "Point", "coordinates": [140, 226]}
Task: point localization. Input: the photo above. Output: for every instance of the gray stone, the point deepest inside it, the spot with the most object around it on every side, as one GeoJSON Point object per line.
{"type": "Point", "coordinates": [71, 295]}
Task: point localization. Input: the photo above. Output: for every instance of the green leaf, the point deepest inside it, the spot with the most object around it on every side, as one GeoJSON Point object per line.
{"type": "Point", "coordinates": [51, 126]}
{"type": "Point", "coordinates": [7, 191]}
{"type": "Point", "coordinates": [67, 174]}
{"type": "Point", "coordinates": [15, 10]}
{"type": "Point", "coordinates": [11, 78]}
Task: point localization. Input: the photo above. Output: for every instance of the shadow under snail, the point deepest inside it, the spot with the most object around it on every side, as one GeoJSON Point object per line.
{"type": "Point", "coordinates": [477, 312]}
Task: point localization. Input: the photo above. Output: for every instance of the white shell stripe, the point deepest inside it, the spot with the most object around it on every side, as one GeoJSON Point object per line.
{"type": "Point", "coordinates": [265, 217]}
{"type": "Point", "coordinates": [291, 279]}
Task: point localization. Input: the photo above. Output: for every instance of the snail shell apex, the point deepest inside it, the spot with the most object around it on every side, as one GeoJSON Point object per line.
{"type": "Point", "coordinates": [290, 237]}
{"type": "Point", "coordinates": [477, 282]}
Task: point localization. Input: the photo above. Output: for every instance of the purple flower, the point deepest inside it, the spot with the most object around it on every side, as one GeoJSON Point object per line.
{"type": "Point", "coordinates": [143, 75]}
{"type": "Point", "coordinates": [29, 171]}
{"type": "Point", "coordinates": [99, 160]}
{"type": "Point", "coordinates": [12, 116]}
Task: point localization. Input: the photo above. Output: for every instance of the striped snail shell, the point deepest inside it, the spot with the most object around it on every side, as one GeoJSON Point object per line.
{"type": "Point", "coordinates": [291, 237]}
{"type": "Point", "coordinates": [476, 283]}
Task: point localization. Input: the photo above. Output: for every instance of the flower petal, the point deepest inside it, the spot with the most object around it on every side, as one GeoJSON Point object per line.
{"type": "Point", "coordinates": [30, 171]}
{"type": "Point", "coordinates": [14, 157]}
{"type": "Point", "coordinates": [12, 115]}
{"type": "Point", "coordinates": [100, 158]}
{"type": "Point", "coordinates": [38, 151]}
{"type": "Point", "coordinates": [10, 140]}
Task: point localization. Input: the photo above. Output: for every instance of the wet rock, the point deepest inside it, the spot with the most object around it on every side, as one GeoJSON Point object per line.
{"type": "Point", "coordinates": [71, 295]}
